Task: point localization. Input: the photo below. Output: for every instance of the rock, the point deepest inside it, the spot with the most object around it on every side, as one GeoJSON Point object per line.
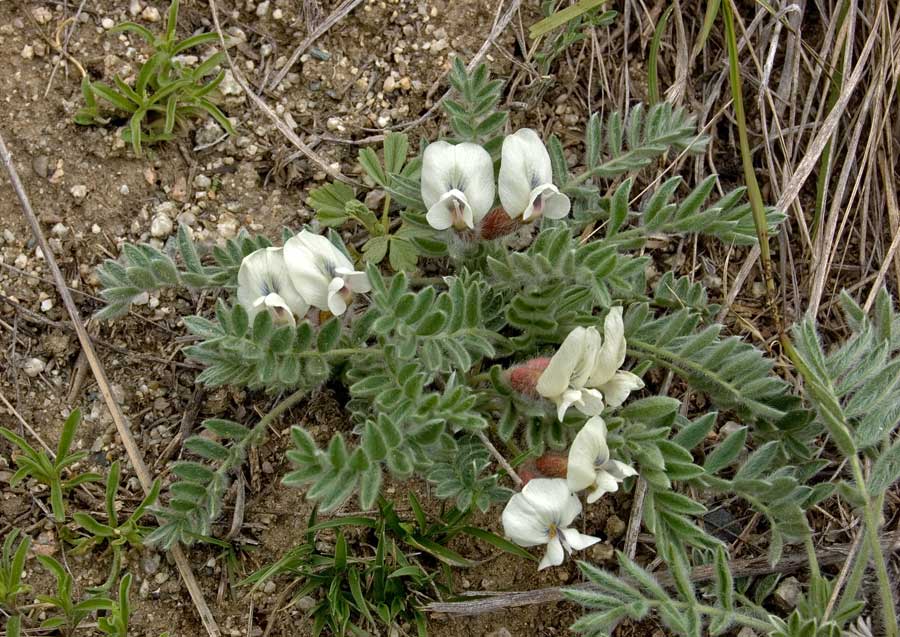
{"type": "Point", "coordinates": [229, 85]}
{"type": "Point", "coordinates": [161, 226]}
{"type": "Point", "coordinates": [389, 84]}
{"type": "Point", "coordinates": [27, 52]}
{"type": "Point", "coordinates": [107, 23]}
{"type": "Point", "coordinates": [150, 562]}
{"type": "Point", "coordinates": [227, 226]}
{"type": "Point", "coordinates": [134, 8]}
{"type": "Point", "coordinates": [46, 305]}
{"type": "Point", "coordinates": [60, 230]}
{"type": "Point", "coordinates": [615, 527]}
{"type": "Point", "coordinates": [746, 631]}
{"type": "Point", "coordinates": [262, 9]}
{"type": "Point", "coordinates": [202, 182]}
{"type": "Point", "coordinates": [179, 189]}
{"type": "Point", "coordinates": [41, 165]}
{"type": "Point", "coordinates": [187, 218]}
{"type": "Point", "coordinates": [42, 15]}
{"type": "Point", "coordinates": [33, 366]}
{"type": "Point", "coordinates": [150, 14]}
{"type": "Point", "coordinates": [375, 199]}
{"type": "Point", "coordinates": [79, 191]}
{"type": "Point", "coordinates": [787, 593]}
{"type": "Point", "coordinates": [270, 587]}
{"type": "Point", "coordinates": [500, 632]}
{"type": "Point", "coordinates": [306, 603]}
{"type": "Point", "coordinates": [729, 428]}
{"type": "Point", "coordinates": [277, 14]}
{"type": "Point", "coordinates": [602, 552]}
{"type": "Point", "coordinates": [124, 190]}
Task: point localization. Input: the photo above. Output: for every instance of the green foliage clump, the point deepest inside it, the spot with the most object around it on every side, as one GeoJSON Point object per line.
{"type": "Point", "coordinates": [50, 471]}
{"type": "Point", "coordinates": [165, 94]}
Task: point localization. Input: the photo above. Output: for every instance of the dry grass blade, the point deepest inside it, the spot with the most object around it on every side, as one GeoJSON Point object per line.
{"type": "Point", "coordinates": [128, 441]}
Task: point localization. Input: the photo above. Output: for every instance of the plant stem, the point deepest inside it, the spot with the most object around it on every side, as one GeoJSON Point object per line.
{"type": "Point", "coordinates": [811, 555]}
{"type": "Point", "coordinates": [753, 191]}
{"type": "Point", "coordinates": [712, 611]}
{"type": "Point", "coordinates": [872, 522]}
{"type": "Point", "coordinates": [346, 351]}
{"type": "Point", "coordinates": [386, 215]}
{"type": "Point", "coordinates": [500, 459]}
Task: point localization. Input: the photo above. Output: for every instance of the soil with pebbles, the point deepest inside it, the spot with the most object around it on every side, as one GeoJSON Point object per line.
{"type": "Point", "coordinates": [380, 66]}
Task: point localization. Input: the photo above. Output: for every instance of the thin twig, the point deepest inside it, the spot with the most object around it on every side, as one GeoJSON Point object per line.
{"type": "Point", "coordinates": [634, 520]}
{"type": "Point", "coordinates": [500, 459]}
{"type": "Point", "coordinates": [128, 441]}
{"type": "Point", "coordinates": [491, 601]}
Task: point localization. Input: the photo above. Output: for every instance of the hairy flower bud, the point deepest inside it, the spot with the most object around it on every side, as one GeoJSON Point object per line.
{"type": "Point", "coordinates": [497, 223]}
{"type": "Point", "coordinates": [523, 378]}
{"type": "Point", "coordinates": [552, 465]}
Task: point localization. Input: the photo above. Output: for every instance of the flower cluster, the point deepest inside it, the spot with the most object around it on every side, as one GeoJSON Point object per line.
{"type": "Point", "coordinates": [585, 373]}
{"type": "Point", "coordinates": [458, 182]}
{"type": "Point", "coordinates": [309, 271]}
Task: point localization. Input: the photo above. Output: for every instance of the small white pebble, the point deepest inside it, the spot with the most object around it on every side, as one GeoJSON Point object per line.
{"type": "Point", "coordinates": [60, 230]}
{"type": "Point", "coordinates": [161, 226]}
{"type": "Point", "coordinates": [124, 189]}
{"type": "Point", "coordinates": [277, 14]}
{"type": "Point", "coordinates": [42, 15]}
{"type": "Point", "coordinates": [27, 52]}
{"type": "Point", "coordinates": [33, 366]}
{"type": "Point", "coordinates": [46, 305]}
{"type": "Point", "coordinates": [79, 191]}
{"type": "Point", "coordinates": [21, 261]}
{"type": "Point", "coordinates": [107, 23]}
{"type": "Point", "coordinates": [262, 9]}
{"type": "Point", "coordinates": [150, 14]}
{"type": "Point", "coordinates": [202, 182]}
{"type": "Point", "coordinates": [95, 229]}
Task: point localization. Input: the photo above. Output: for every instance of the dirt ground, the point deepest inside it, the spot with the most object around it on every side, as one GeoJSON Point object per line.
{"type": "Point", "coordinates": [382, 65]}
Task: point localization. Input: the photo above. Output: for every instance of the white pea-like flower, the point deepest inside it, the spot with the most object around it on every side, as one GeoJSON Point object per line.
{"type": "Point", "coordinates": [264, 284]}
{"type": "Point", "coordinates": [526, 179]}
{"type": "Point", "coordinates": [615, 384]}
{"type": "Point", "coordinates": [585, 373]}
{"type": "Point", "coordinates": [564, 381]}
{"type": "Point", "coordinates": [457, 184]}
{"type": "Point", "coordinates": [322, 273]}
{"type": "Point", "coordinates": [542, 513]}
{"type": "Point", "coordinates": [590, 466]}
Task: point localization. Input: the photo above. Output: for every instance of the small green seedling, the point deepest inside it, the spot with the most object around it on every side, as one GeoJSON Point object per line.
{"type": "Point", "coordinates": [165, 94]}
{"type": "Point", "coordinates": [14, 626]}
{"type": "Point", "coordinates": [71, 614]}
{"type": "Point", "coordinates": [115, 623]}
{"type": "Point", "coordinates": [128, 532]}
{"type": "Point", "coordinates": [12, 565]}
{"type": "Point", "coordinates": [45, 470]}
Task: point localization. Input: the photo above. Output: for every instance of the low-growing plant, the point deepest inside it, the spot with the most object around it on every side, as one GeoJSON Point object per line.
{"type": "Point", "coordinates": [523, 353]}
{"type": "Point", "coordinates": [383, 587]}
{"type": "Point", "coordinates": [50, 471]}
{"type": "Point", "coordinates": [12, 567]}
{"type": "Point", "coordinates": [70, 614]}
{"type": "Point", "coordinates": [117, 535]}
{"type": "Point", "coordinates": [165, 94]}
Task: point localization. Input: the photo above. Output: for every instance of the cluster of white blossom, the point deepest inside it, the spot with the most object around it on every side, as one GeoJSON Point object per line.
{"type": "Point", "coordinates": [585, 373]}
{"type": "Point", "coordinates": [458, 182]}
{"type": "Point", "coordinates": [309, 271]}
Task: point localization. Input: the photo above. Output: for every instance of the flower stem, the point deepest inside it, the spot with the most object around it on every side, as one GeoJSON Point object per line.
{"type": "Point", "coordinates": [499, 458]}
{"type": "Point", "coordinates": [872, 522]}
{"type": "Point", "coordinates": [386, 215]}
